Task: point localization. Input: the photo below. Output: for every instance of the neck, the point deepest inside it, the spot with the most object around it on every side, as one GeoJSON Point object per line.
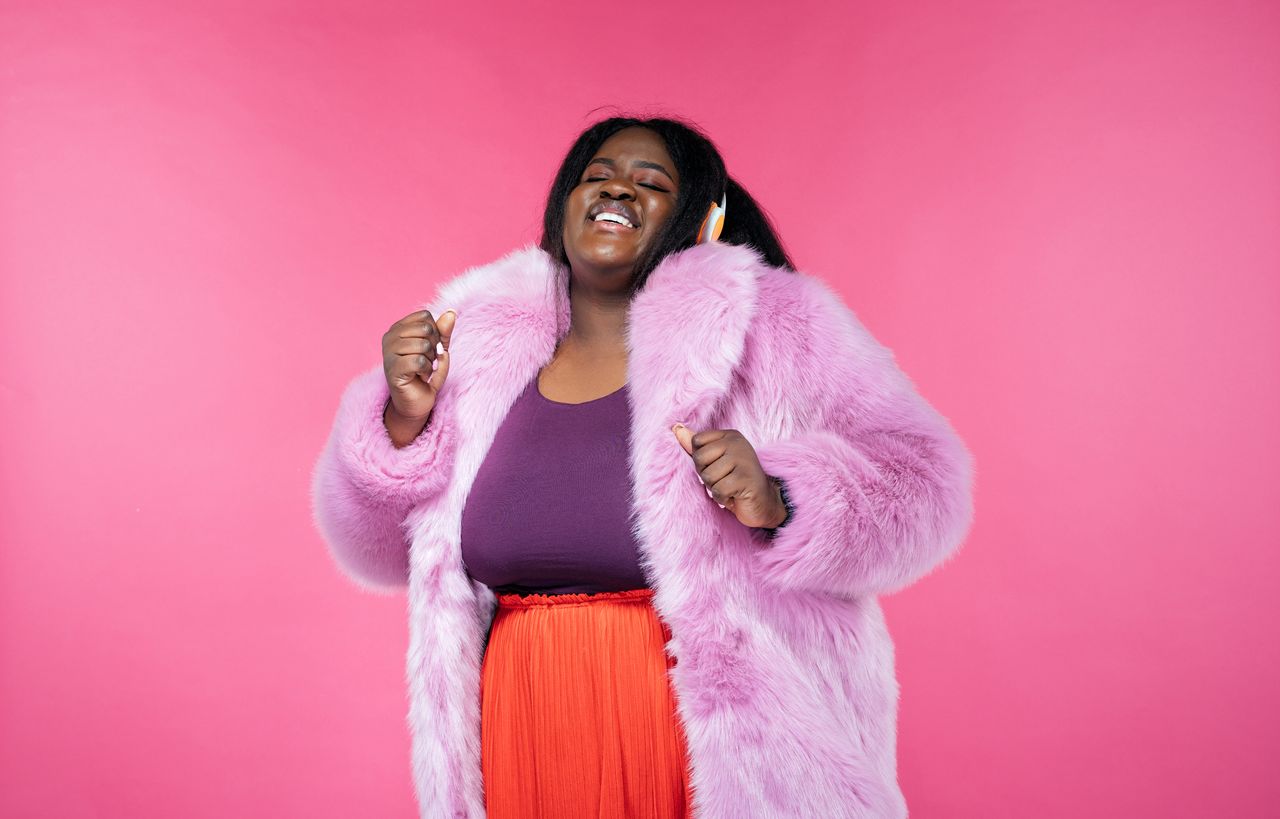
{"type": "Point", "coordinates": [597, 319]}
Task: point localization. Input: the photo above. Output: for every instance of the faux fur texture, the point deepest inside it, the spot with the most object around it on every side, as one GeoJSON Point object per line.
{"type": "Point", "coordinates": [785, 669]}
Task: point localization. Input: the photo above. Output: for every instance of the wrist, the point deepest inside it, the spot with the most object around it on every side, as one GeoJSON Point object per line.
{"type": "Point", "coordinates": [390, 413]}
{"type": "Point", "coordinates": [783, 504]}
{"type": "Point", "coordinates": [402, 429]}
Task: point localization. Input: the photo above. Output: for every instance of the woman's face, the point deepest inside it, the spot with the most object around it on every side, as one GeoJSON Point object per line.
{"type": "Point", "coordinates": [631, 178]}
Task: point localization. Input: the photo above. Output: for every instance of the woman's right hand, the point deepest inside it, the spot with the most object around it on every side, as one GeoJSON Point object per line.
{"type": "Point", "coordinates": [415, 358]}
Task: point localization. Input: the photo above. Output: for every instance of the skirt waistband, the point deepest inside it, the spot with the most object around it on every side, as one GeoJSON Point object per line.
{"type": "Point", "coordinates": [514, 600]}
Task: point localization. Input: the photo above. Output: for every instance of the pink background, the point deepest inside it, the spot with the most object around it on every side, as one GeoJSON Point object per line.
{"type": "Point", "coordinates": [1063, 217]}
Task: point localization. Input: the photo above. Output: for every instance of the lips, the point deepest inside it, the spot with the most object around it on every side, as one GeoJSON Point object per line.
{"type": "Point", "coordinates": [620, 208]}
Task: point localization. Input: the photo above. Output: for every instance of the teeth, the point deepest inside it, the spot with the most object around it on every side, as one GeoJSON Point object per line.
{"type": "Point", "coordinates": [613, 217]}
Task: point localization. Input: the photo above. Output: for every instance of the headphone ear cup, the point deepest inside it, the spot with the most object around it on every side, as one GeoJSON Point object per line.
{"type": "Point", "coordinates": [712, 223]}
{"type": "Point", "coordinates": [717, 222]}
{"type": "Point", "coordinates": [703, 232]}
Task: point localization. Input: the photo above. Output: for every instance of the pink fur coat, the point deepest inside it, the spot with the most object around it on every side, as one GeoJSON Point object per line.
{"type": "Point", "coordinates": [785, 669]}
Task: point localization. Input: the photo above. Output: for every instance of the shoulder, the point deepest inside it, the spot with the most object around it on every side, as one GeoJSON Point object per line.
{"type": "Point", "coordinates": [810, 322]}
{"type": "Point", "coordinates": [809, 356]}
{"type": "Point", "coordinates": [524, 274]}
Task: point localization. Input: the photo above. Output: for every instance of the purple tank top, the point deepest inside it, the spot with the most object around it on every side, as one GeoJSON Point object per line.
{"type": "Point", "coordinates": [549, 509]}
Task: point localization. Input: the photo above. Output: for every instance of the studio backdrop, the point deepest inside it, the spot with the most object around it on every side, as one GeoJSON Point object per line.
{"type": "Point", "coordinates": [1063, 218]}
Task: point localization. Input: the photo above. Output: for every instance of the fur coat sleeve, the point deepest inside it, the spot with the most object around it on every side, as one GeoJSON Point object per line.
{"type": "Point", "coordinates": [879, 481]}
{"type": "Point", "coordinates": [363, 487]}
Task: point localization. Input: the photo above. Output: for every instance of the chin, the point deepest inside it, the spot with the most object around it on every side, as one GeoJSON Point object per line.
{"type": "Point", "coordinates": [604, 254]}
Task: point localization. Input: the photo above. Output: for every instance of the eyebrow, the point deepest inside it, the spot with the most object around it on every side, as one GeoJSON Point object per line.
{"type": "Point", "coordinates": [641, 163]}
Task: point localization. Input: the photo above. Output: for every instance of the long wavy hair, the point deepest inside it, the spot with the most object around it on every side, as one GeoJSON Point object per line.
{"type": "Point", "coordinates": [703, 179]}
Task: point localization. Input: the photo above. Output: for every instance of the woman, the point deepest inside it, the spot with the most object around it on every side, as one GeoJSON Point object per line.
{"type": "Point", "coordinates": [612, 614]}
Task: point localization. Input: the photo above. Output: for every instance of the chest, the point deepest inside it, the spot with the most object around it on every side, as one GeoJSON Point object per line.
{"type": "Point", "coordinates": [575, 377]}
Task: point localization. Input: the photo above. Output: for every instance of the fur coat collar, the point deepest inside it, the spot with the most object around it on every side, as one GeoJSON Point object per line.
{"type": "Point", "coordinates": [784, 668]}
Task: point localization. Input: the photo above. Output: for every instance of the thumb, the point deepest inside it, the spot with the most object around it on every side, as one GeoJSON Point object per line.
{"type": "Point", "coordinates": [685, 436]}
{"type": "Point", "coordinates": [445, 325]}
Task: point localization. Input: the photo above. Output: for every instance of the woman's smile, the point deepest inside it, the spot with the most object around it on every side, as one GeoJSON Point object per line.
{"type": "Point", "coordinates": [614, 227]}
{"type": "Point", "coordinates": [610, 212]}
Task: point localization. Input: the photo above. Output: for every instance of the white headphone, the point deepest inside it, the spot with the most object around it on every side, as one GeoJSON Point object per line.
{"type": "Point", "coordinates": [713, 224]}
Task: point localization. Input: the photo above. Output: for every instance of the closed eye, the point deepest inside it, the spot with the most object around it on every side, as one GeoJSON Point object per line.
{"type": "Point", "coordinates": [642, 184]}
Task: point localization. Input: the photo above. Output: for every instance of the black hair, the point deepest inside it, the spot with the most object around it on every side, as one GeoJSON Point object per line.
{"type": "Point", "coordinates": [703, 179]}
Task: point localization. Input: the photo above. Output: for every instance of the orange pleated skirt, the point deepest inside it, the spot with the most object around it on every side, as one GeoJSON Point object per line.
{"type": "Point", "coordinates": [578, 717]}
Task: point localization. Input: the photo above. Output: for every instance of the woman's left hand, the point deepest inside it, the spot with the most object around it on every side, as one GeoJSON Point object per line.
{"type": "Point", "coordinates": [731, 471]}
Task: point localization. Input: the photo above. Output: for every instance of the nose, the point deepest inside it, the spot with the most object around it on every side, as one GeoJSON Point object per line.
{"type": "Point", "coordinates": [618, 188]}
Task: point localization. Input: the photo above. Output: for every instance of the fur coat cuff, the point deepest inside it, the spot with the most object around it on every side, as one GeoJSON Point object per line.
{"type": "Point", "coordinates": [869, 515]}
{"type": "Point", "coordinates": [363, 487]}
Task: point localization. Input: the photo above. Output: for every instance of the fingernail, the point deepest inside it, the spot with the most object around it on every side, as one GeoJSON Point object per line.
{"type": "Point", "coordinates": [435, 362]}
{"type": "Point", "coordinates": [709, 495]}
{"type": "Point", "coordinates": [439, 348]}
{"type": "Point", "coordinates": [721, 505]}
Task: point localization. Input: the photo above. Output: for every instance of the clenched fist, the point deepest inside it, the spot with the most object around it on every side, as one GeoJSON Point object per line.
{"type": "Point", "coordinates": [730, 471]}
{"type": "Point", "coordinates": [415, 358]}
